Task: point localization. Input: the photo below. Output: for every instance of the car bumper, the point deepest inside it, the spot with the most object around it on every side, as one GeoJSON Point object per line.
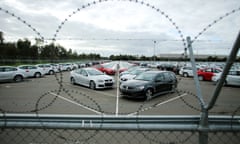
{"type": "Point", "coordinates": [132, 93]}
{"type": "Point", "coordinates": [104, 85]}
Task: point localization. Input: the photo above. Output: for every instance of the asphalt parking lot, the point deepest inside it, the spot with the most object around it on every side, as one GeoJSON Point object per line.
{"type": "Point", "coordinates": [54, 94]}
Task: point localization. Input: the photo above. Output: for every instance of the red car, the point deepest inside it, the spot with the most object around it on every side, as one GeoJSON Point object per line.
{"type": "Point", "coordinates": [106, 70]}
{"type": "Point", "coordinates": [207, 73]}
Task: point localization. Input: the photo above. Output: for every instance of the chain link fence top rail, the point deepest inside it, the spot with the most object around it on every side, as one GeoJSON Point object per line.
{"type": "Point", "coordinates": [131, 127]}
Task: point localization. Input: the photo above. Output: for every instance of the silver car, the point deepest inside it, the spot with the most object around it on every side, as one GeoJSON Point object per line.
{"type": "Point", "coordinates": [9, 73]}
{"type": "Point", "coordinates": [92, 78]}
{"type": "Point", "coordinates": [133, 74]}
{"type": "Point", "coordinates": [233, 78]}
{"type": "Point", "coordinates": [32, 71]}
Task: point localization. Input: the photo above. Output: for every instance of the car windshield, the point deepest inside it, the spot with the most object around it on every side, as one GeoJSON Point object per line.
{"type": "Point", "coordinates": [137, 71]}
{"type": "Point", "coordinates": [93, 72]}
{"type": "Point", "coordinates": [145, 76]}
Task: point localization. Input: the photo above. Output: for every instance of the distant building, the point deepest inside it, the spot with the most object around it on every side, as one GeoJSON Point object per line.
{"type": "Point", "coordinates": [199, 56]}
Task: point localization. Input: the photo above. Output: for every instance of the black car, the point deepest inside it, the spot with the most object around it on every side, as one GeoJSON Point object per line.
{"type": "Point", "coordinates": [149, 84]}
{"type": "Point", "coordinates": [169, 67]}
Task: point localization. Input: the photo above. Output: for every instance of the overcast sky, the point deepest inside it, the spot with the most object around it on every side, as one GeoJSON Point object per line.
{"type": "Point", "coordinates": [124, 27]}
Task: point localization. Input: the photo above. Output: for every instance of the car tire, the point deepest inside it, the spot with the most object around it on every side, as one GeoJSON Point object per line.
{"type": "Point", "coordinates": [185, 74]}
{"type": "Point", "coordinates": [68, 69]}
{"type": "Point", "coordinates": [37, 75]}
{"type": "Point", "coordinates": [149, 94]}
{"type": "Point", "coordinates": [173, 90]}
{"type": "Point", "coordinates": [200, 78]}
{"type": "Point", "coordinates": [18, 78]}
{"type": "Point", "coordinates": [51, 72]}
{"type": "Point", "coordinates": [72, 80]}
{"type": "Point", "coordinates": [92, 85]}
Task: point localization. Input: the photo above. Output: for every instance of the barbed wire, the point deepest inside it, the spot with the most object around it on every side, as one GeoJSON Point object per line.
{"type": "Point", "coordinates": [59, 78]}
{"type": "Point", "coordinates": [214, 22]}
{"type": "Point", "coordinates": [23, 21]}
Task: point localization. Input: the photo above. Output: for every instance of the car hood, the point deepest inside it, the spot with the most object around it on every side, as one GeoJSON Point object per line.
{"type": "Point", "coordinates": [101, 77]}
{"type": "Point", "coordinates": [128, 76]}
{"type": "Point", "coordinates": [134, 82]}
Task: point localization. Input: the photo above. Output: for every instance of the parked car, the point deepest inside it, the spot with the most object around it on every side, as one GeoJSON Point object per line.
{"type": "Point", "coordinates": [66, 67]}
{"type": "Point", "coordinates": [91, 78]}
{"type": "Point", "coordinates": [207, 73]}
{"type": "Point", "coordinates": [233, 78]}
{"type": "Point", "coordinates": [130, 69]}
{"type": "Point", "coordinates": [32, 71]}
{"type": "Point", "coordinates": [47, 68]}
{"type": "Point", "coordinates": [9, 73]}
{"type": "Point", "coordinates": [169, 67]}
{"type": "Point", "coordinates": [186, 71]}
{"type": "Point", "coordinates": [149, 84]}
{"type": "Point", "coordinates": [56, 67]}
{"type": "Point", "coordinates": [105, 69]}
{"type": "Point", "coordinates": [133, 74]}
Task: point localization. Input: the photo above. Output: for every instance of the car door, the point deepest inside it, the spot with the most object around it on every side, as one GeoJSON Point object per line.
{"type": "Point", "coordinates": [83, 77]}
{"type": "Point", "coordinates": [233, 78]}
{"type": "Point", "coordinates": [160, 84]}
{"type": "Point", "coordinates": [27, 71]}
{"type": "Point", "coordinates": [208, 73]}
{"type": "Point", "coordinates": [169, 80]}
{"type": "Point", "coordinates": [32, 70]}
{"type": "Point", "coordinates": [8, 73]}
{"type": "Point", "coordinates": [77, 76]}
{"type": "Point", "coordinates": [3, 75]}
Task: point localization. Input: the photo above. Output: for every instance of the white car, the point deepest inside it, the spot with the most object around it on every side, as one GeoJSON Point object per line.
{"type": "Point", "coordinates": [9, 73]}
{"type": "Point", "coordinates": [91, 78]}
{"type": "Point", "coordinates": [47, 68]}
{"type": "Point", "coordinates": [66, 67]}
{"type": "Point", "coordinates": [186, 71]}
{"type": "Point", "coordinates": [32, 71]}
{"type": "Point", "coordinates": [132, 74]}
{"type": "Point", "coordinates": [233, 78]}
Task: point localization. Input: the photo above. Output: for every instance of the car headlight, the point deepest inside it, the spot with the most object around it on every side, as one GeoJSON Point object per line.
{"type": "Point", "coordinates": [140, 87]}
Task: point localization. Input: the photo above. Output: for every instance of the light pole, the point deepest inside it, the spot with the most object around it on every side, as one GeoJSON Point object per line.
{"type": "Point", "coordinates": [154, 58]}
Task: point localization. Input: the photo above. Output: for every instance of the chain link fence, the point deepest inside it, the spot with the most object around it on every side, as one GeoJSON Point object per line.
{"type": "Point", "coordinates": [124, 129]}
{"type": "Point", "coordinates": [65, 129]}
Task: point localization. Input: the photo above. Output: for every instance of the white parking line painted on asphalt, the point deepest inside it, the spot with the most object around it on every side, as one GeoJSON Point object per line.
{"type": "Point", "coordinates": [73, 102]}
{"type": "Point", "coordinates": [159, 104]}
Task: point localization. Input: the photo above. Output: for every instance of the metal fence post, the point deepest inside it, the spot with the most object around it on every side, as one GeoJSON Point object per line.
{"type": "Point", "coordinates": [203, 125]}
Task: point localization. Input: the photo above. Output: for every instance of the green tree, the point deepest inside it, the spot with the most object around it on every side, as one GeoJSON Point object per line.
{"type": "Point", "coordinates": [24, 47]}
{"type": "Point", "coordinates": [1, 37]}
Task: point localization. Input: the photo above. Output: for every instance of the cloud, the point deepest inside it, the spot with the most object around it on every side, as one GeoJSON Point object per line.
{"type": "Point", "coordinates": [123, 27]}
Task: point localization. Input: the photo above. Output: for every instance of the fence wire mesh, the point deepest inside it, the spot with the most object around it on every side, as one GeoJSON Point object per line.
{"type": "Point", "coordinates": [77, 136]}
{"type": "Point", "coordinates": [43, 131]}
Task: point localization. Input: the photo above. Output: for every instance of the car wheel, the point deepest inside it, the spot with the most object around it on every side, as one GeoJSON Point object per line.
{"type": "Point", "coordinates": [68, 69]}
{"type": "Point", "coordinates": [173, 88]}
{"type": "Point", "coordinates": [18, 78]}
{"type": "Point", "coordinates": [73, 81]}
{"type": "Point", "coordinates": [37, 75]}
{"type": "Point", "coordinates": [185, 74]}
{"type": "Point", "coordinates": [51, 72]}
{"type": "Point", "coordinates": [200, 78]}
{"type": "Point", "coordinates": [92, 85]}
{"type": "Point", "coordinates": [149, 94]}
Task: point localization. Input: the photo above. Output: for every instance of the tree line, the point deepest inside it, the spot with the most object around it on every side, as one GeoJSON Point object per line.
{"type": "Point", "coordinates": [24, 49]}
